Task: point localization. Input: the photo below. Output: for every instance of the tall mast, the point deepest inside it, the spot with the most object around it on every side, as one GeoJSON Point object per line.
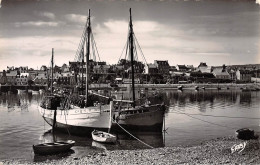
{"type": "Point", "coordinates": [52, 70]}
{"type": "Point", "coordinates": [132, 56]}
{"type": "Point", "coordinates": [82, 75]}
{"type": "Point", "coordinates": [87, 53]}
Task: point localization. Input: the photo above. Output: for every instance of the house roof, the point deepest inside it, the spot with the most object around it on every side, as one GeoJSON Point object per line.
{"type": "Point", "coordinates": [182, 67]}
{"type": "Point", "coordinates": [205, 69]}
{"type": "Point", "coordinates": [245, 71]}
{"type": "Point", "coordinates": [12, 73]}
{"type": "Point", "coordinates": [203, 64]}
{"type": "Point", "coordinates": [151, 66]}
{"type": "Point", "coordinates": [219, 71]}
{"type": "Point", "coordinates": [161, 62]}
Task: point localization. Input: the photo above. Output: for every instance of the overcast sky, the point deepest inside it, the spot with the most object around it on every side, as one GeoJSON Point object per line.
{"type": "Point", "coordinates": [183, 32]}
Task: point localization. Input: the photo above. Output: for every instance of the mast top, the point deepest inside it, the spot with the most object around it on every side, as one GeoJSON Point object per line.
{"type": "Point", "coordinates": [130, 16]}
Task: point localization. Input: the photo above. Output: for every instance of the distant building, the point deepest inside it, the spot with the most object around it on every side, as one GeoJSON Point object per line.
{"type": "Point", "coordinates": [244, 75]}
{"type": "Point", "coordinates": [172, 69]}
{"type": "Point", "coordinates": [23, 69]}
{"type": "Point", "coordinates": [138, 68]}
{"type": "Point", "coordinates": [43, 68]}
{"type": "Point", "coordinates": [201, 75]}
{"type": "Point", "coordinates": [182, 68]}
{"type": "Point", "coordinates": [162, 66]}
{"type": "Point", "coordinates": [3, 79]}
{"type": "Point", "coordinates": [65, 68]}
{"type": "Point", "coordinates": [11, 77]}
{"type": "Point", "coordinates": [101, 69]}
{"type": "Point", "coordinates": [151, 69]}
{"type": "Point", "coordinates": [190, 67]}
{"type": "Point", "coordinates": [245, 67]}
{"type": "Point", "coordinates": [41, 77]}
{"type": "Point", "coordinates": [22, 79]}
{"type": "Point", "coordinates": [221, 72]}
{"type": "Point", "coordinates": [204, 68]}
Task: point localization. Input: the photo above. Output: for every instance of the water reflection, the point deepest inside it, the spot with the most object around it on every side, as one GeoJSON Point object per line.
{"type": "Point", "coordinates": [21, 125]}
{"type": "Point", "coordinates": [124, 141]}
{"type": "Point", "coordinates": [205, 99]}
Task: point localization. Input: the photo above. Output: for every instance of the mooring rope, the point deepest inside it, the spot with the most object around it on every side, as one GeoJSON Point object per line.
{"type": "Point", "coordinates": [133, 135]}
{"type": "Point", "coordinates": [190, 115]}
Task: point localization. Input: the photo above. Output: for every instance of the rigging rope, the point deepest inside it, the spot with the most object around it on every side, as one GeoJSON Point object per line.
{"type": "Point", "coordinates": [81, 44]}
{"type": "Point", "coordinates": [133, 135]}
{"type": "Point", "coordinates": [123, 50]}
{"type": "Point", "coordinates": [95, 45]}
{"type": "Point", "coordinates": [140, 48]}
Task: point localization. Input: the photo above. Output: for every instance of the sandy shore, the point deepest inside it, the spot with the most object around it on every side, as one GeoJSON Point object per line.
{"type": "Point", "coordinates": [217, 151]}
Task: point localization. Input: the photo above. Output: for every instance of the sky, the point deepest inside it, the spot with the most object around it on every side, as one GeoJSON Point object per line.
{"type": "Point", "coordinates": [181, 31]}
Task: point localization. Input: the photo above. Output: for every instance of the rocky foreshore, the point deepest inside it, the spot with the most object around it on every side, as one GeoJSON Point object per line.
{"type": "Point", "coordinates": [217, 151]}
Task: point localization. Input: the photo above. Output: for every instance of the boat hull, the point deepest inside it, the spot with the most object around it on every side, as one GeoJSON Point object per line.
{"type": "Point", "coordinates": [146, 119]}
{"type": "Point", "coordinates": [103, 137]}
{"type": "Point", "coordinates": [53, 148]}
{"type": "Point", "coordinates": [79, 121]}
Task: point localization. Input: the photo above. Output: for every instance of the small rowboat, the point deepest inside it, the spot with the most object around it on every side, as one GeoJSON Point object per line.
{"type": "Point", "coordinates": [103, 137]}
{"type": "Point", "coordinates": [246, 134]}
{"type": "Point", "coordinates": [53, 148]}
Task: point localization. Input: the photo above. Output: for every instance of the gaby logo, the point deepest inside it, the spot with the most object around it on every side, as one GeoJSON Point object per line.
{"type": "Point", "coordinates": [238, 148]}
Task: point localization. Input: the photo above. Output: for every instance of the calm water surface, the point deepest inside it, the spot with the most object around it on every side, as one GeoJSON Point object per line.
{"type": "Point", "coordinates": [21, 125]}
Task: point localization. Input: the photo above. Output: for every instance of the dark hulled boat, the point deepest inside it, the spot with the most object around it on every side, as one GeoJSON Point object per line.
{"type": "Point", "coordinates": [53, 148]}
{"type": "Point", "coordinates": [130, 114]}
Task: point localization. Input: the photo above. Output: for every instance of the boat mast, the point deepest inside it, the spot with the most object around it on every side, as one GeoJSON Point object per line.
{"type": "Point", "coordinates": [82, 69]}
{"type": "Point", "coordinates": [87, 53]}
{"type": "Point", "coordinates": [132, 55]}
{"type": "Point", "coordinates": [52, 70]}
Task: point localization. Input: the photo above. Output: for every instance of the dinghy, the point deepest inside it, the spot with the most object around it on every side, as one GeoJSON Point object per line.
{"type": "Point", "coordinates": [103, 137]}
{"type": "Point", "coordinates": [246, 134]}
{"type": "Point", "coordinates": [53, 148]}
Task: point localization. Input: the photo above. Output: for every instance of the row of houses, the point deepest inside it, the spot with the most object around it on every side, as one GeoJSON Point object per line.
{"type": "Point", "coordinates": [101, 72]}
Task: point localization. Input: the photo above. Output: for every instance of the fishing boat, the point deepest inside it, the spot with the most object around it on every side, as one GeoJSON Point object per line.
{"type": "Point", "coordinates": [77, 114]}
{"type": "Point", "coordinates": [132, 114]}
{"type": "Point", "coordinates": [103, 137]}
{"type": "Point", "coordinates": [180, 87]}
{"type": "Point", "coordinates": [53, 148]}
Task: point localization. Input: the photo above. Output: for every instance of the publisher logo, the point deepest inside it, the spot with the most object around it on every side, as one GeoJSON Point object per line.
{"type": "Point", "coordinates": [238, 147]}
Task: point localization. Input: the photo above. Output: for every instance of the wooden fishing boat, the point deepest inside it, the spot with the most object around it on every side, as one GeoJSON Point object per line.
{"type": "Point", "coordinates": [133, 115]}
{"type": "Point", "coordinates": [80, 116]}
{"type": "Point", "coordinates": [53, 148]}
{"type": "Point", "coordinates": [103, 137]}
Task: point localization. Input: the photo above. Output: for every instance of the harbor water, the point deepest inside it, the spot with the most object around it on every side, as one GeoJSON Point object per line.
{"type": "Point", "coordinates": [191, 118]}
